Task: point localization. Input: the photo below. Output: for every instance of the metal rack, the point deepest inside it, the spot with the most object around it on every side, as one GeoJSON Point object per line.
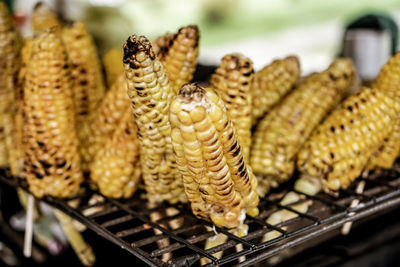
{"type": "Point", "coordinates": [181, 236]}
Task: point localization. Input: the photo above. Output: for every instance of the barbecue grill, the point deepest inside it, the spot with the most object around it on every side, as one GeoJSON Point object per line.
{"type": "Point", "coordinates": [127, 224]}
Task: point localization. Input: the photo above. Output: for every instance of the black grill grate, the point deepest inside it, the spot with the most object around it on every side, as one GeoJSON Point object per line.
{"type": "Point", "coordinates": [128, 223]}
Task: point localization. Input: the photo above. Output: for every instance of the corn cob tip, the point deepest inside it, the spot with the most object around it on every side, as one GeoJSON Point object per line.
{"type": "Point", "coordinates": [342, 66]}
{"type": "Point", "coordinates": [190, 92]}
{"type": "Point", "coordinates": [295, 60]}
{"type": "Point", "coordinates": [132, 48]}
{"type": "Point", "coordinates": [238, 62]}
{"type": "Point", "coordinates": [191, 32]}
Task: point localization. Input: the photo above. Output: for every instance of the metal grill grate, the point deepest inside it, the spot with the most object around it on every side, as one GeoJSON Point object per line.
{"type": "Point", "coordinates": [129, 223]}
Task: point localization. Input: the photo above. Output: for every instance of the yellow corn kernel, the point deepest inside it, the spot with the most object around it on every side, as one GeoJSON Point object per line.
{"type": "Point", "coordinates": [272, 83]}
{"type": "Point", "coordinates": [232, 81]}
{"type": "Point", "coordinates": [89, 89]}
{"type": "Point", "coordinates": [178, 54]}
{"type": "Point", "coordinates": [112, 61]}
{"type": "Point", "coordinates": [218, 184]}
{"type": "Point", "coordinates": [388, 82]}
{"type": "Point", "coordinates": [282, 132]}
{"type": "Point", "coordinates": [102, 126]}
{"type": "Point", "coordinates": [44, 18]}
{"type": "Point", "coordinates": [151, 95]}
{"type": "Point", "coordinates": [340, 147]}
{"type": "Point", "coordinates": [10, 64]}
{"type": "Point", "coordinates": [51, 158]}
{"type": "Point", "coordinates": [116, 167]}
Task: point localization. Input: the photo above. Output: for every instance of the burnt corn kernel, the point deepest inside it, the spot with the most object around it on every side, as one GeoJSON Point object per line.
{"type": "Point", "coordinates": [272, 83]}
{"type": "Point", "coordinates": [282, 132]}
{"type": "Point", "coordinates": [49, 134]}
{"type": "Point", "coordinates": [218, 184]}
{"type": "Point", "coordinates": [351, 148]}
{"type": "Point", "coordinates": [178, 53]}
{"type": "Point", "coordinates": [232, 82]}
{"type": "Point", "coordinates": [151, 94]}
{"type": "Point", "coordinates": [116, 167]}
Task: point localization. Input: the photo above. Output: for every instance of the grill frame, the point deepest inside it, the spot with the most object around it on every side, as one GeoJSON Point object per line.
{"type": "Point", "coordinates": [382, 193]}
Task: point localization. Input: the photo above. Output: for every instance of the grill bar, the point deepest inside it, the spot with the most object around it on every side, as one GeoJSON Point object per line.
{"type": "Point", "coordinates": [127, 223]}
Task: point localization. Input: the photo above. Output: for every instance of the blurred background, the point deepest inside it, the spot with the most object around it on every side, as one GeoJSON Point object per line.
{"type": "Point", "coordinates": [262, 30]}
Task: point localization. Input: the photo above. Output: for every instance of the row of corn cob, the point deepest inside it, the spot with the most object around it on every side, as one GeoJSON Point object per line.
{"type": "Point", "coordinates": [153, 80]}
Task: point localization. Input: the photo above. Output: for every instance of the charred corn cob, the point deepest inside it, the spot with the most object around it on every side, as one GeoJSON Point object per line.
{"type": "Point", "coordinates": [232, 80]}
{"type": "Point", "coordinates": [217, 182]}
{"type": "Point", "coordinates": [44, 18]}
{"type": "Point", "coordinates": [86, 71]}
{"type": "Point", "coordinates": [340, 147]}
{"type": "Point", "coordinates": [51, 159]}
{"type": "Point", "coordinates": [272, 83]}
{"type": "Point", "coordinates": [388, 81]}
{"type": "Point", "coordinates": [15, 150]}
{"type": "Point", "coordinates": [151, 95]}
{"type": "Point", "coordinates": [116, 167]}
{"type": "Point", "coordinates": [9, 66]}
{"type": "Point", "coordinates": [112, 61]}
{"type": "Point", "coordinates": [282, 132]}
{"type": "Point", "coordinates": [88, 88]}
{"type": "Point", "coordinates": [179, 55]}
{"type": "Point", "coordinates": [113, 106]}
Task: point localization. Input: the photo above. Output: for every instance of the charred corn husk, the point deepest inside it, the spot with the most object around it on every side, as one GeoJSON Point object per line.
{"type": "Point", "coordinates": [340, 147]}
{"type": "Point", "coordinates": [218, 184]}
{"type": "Point", "coordinates": [88, 89]}
{"type": "Point", "coordinates": [272, 83]}
{"type": "Point", "coordinates": [116, 168]}
{"type": "Point", "coordinates": [388, 81]}
{"type": "Point", "coordinates": [179, 55]}
{"type": "Point", "coordinates": [113, 106]}
{"type": "Point", "coordinates": [9, 66]}
{"type": "Point", "coordinates": [51, 158]}
{"type": "Point", "coordinates": [112, 61]}
{"type": "Point", "coordinates": [232, 81]}
{"type": "Point", "coordinates": [282, 132]}
{"type": "Point", "coordinates": [44, 18]}
{"type": "Point", "coordinates": [151, 95]}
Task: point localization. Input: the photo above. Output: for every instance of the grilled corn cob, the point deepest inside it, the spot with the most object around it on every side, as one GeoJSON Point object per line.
{"type": "Point", "coordinates": [88, 80]}
{"type": "Point", "coordinates": [217, 182]}
{"type": "Point", "coordinates": [44, 18]}
{"type": "Point", "coordinates": [388, 81]}
{"type": "Point", "coordinates": [232, 80]}
{"type": "Point", "coordinates": [271, 83]}
{"type": "Point", "coordinates": [9, 66]}
{"type": "Point", "coordinates": [340, 147]}
{"type": "Point", "coordinates": [112, 61]}
{"type": "Point", "coordinates": [86, 71]}
{"type": "Point", "coordinates": [151, 95]}
{"type": "Point", "coordinates": [51, 159]}
{"type": "Point", "coordinates": [282, 132]}
{"type": "Point", "coordinates": [15, 150]}
{"type": "Point", "coordinates": [179, 55]}
{"type": "Point", "coordinates": [113, 106]}
{"type": "Point", "coordinates": [116, 167]}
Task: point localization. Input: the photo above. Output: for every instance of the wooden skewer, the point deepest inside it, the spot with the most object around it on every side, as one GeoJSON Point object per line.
{"type": "Point", "coordinates": [29, 227]}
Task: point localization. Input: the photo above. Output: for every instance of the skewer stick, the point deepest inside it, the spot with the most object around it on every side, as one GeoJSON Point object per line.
{"type": "Point", "coordinates": [29, 227]}
{"type": "Point", "coordinates": [347, 226]}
